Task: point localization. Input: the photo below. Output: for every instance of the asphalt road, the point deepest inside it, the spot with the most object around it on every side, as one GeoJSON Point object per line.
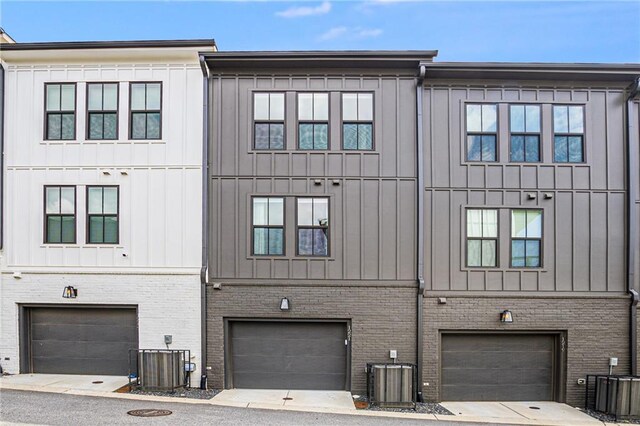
{"type": "Point", "coordinates": [59, 409]}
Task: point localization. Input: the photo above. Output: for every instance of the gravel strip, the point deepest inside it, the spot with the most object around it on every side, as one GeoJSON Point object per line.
{"type": "Point", "coordinates": [609, 418]}
{"type": "Point", "coordinates": [421, 407]}
{"type": "Point", "coordinates": [193, 393]}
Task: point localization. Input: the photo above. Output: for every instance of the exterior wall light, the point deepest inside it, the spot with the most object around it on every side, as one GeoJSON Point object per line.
{"type": "Point", "coordinates": [506, 316]}
{"type": "Point", "coordinates": [70, 292]}
{"type": "Point", "coordinates": [284, 304]}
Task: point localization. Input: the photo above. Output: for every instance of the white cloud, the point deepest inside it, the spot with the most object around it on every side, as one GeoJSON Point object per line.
{"type": "Point", "coordinates": [334, 33]}
{"type": "Point", "coordinates": [298, 11]}
{"type": "Point", "coordinates": [364, 33]}
{"type": "Point", "coordinates": [350, 33]}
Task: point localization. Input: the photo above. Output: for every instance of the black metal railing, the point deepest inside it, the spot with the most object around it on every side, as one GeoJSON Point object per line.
{"type": "Point", "coordinates": [616, 395]}
{"type": "Point", "coordinates": [392, 385]}
{"type": "Point", "coordinates": [160, 369]}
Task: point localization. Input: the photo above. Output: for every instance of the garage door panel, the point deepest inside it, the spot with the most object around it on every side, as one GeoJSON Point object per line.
{"type": "Point", "coordinates": [82, 332]}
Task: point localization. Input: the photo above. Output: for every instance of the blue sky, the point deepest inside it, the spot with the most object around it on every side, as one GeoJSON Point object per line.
{"type": "Point", "coordinates": [541, 31]}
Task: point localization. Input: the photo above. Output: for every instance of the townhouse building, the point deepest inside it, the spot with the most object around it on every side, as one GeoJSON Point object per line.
{"type": "Point", "coordinates": [101, 189]}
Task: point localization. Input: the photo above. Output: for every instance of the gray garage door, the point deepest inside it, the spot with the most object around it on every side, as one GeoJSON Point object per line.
{"type": "Point", "coordinates": [288, 355]}
{"type": "Point", "coordinates": [486, 367]}
{"type": "Point", "coordinates": [81, 340]}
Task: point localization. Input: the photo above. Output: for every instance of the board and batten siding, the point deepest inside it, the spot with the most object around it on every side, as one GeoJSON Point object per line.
{"type": "Point", "coordinates": [372, 194]}
{"type": "Point", "coordinates": [584, 207]}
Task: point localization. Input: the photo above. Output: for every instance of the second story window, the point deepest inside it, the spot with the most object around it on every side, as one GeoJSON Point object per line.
{"type": "Point", "coordinates": [60, 214]}
{"type": "Point", "coordinates": [268, 226]}
{"type": "Point", "coordinates": [313, 121]}
{"type": "Point", "coordinates": [524, 126]}
{"type": "Point", "coordinates": [146, 110]}
{"type": "Point", "coordinates": [526, 238]}
{"type": "Point", "coordinates": [482, 132]}
{"type": "Point", "coordinates": [482, 237]}
{"type": "Point", "coordinates": [60, 111]}
{"type": "Point", "coordinates": [102, 111]}
{"type": "Point", "coordinates": [357, 121]}
{"type": "Point", "coordinates": [102, 215]}
{"type": "Point", "coordinates": [313, 226]}
{"type": "Point", "coordinates": [268, 120]}
{"type": "Point", "coordinates": [568, 134]}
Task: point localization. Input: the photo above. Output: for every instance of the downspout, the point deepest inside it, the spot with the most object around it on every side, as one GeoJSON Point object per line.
{"type": "Point", "coordinates": [1, 156]}
{"type": "Point", "coordinates": [204, 273]}
{"type": "Point", "coordinates": [633, 166]}
{"type": "Point", "coordinates": [420, 271]}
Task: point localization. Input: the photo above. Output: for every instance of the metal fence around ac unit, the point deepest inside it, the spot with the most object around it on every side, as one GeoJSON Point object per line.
{"type": "Point", "coordinates": [615, 395]}
{"type": "Point", "coordinates": [392, 385]}
{"type": "Point", "coordinates": [160, 369]}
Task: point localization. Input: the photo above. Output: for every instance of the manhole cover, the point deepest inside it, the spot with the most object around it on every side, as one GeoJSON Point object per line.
{"type": "Point", "coordinates": [97, 382]}
{"type": "Point", "coordinates": [286, 398]}
{"type": "Point", "coordinates": [535, 408]}
{"type": "Point", "coordinates": [149, 412]}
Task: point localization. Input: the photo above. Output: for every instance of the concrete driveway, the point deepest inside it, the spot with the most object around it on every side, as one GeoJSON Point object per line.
{"type": "Point", "coordinates": [270, 398]}
{"type": "Point", "coordinates": [64, 382]}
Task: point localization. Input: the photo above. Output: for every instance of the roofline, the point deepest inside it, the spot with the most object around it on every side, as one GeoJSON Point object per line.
{"type": "Point", "coordinates": [323, 54]}
{"type": "Point", "coordinates": [532, 66]}
{"type": "Point", "coordinates": [128, 44]}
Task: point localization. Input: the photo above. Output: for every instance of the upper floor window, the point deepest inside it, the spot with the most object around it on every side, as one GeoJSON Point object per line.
{"type": "Point", "coordinates": [60, 214]}
{"type": "Point", "coordinates": [268, 226]}
{"type": "Point", "coordinates": [568, 134]}
{"type": "Point", "coordinates": [268, 120]}
{"type": "Point", "coordinates": [524, 126]}
{"type": "Point", "coordinates": [102, 111]}
{"type": "Point", "coordinates": [357, 121]}
{"type": "Point", "coordinates": [313, 121]}
{"type": "Point", "coordinates": [482, 237]}
{"type": "Point", "coordinates": [313, 226]}
{"type": "Point", "coordinates": [102, 215]}
{"type": "Point", "coordinates": [482, 132]}
{"type": "Point", "coordinates": [146, 110]}
{"type": "Point", "coordinates": [526, 238]}
{"type": "Point", "coordinates": [60, 111]}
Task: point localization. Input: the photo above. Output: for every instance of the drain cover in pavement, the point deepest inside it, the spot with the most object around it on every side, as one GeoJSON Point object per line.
{"type": "Point", "coordinates": [97, 382]}
{"type": "Point", "coordinates": [149, 412]}
{"type": "Point", "coordinates": [535, 408]}
{"type": "Point", "coordinates": [286, 398]}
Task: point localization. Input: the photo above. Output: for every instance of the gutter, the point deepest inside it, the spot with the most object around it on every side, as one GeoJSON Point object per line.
{"type": "Point", "coordinates": [633, 177]}
{"type": "Point", "coordinates": [204, 272]}
{"type": "Point", "coordinates": [1, 156]}
{"type": "Point", "coordinates": [420, 230]}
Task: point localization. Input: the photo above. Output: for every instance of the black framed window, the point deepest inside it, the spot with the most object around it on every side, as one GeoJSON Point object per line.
{"type": "Point", "coordinates": [146, 110]}
{"type": "Point", "coordinates": [313, 226]}
{"type": "Point", "coordinates": [268, 121]}
{"type": "Point", "coordinates": [102, 215]}
{"type": "Point", "coordinates": [313, 121]}
{"type": "Point", "coordinates": [482, 238]}
{"type": "Point", "coordinates": [268, 226]}
{"type": "Point", "coordinates": [102, 111]}
{"type": "Point", "coordinates": [60, 214]}
{"type": "Point", "coordinates": [357, 121]}
{"type": "Point", "coordinates": [60, 111]}
{"type": "Point", "coordinates": [524, 127]}
{"type": "Point", "coordinates": [526, 238]}
{"type": "Point", "coordinates": [482, 132]}
{"type": "Point", "coordinates": [568, 134]}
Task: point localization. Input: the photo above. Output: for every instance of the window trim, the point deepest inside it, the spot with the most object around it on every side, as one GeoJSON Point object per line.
{"type": "Point", "coordinates": [283, 226]}
{"type": "Point", "coordinates": [511, 238]}
{"type": "Point", "coordinates": [328, 228]}
{"type": "Point", "coordinates": [88, 215]}
{"type": "Point", "coordinates": [496, 239]}
{"type": "Point", "coordinates": [467, 133]}
{"type": "Point", "coordinates": [299, 122]}
{"type": "Point", "coordinates": [46, 215]}
{"type": "Point", "coordinates": [75, 111]}
{"type": "Point", "coordinates": [567, 135]}
{"type": "Point", "coordinates": [117, 110]}
{"type": "Point", "coordinates": [131, 111]}
{"type": "Point", "coordinates": [254, 121]}
{"type": "Point", "coordinates": [525, 133]}
{"type": "Point", "coordinates": [372, 122]}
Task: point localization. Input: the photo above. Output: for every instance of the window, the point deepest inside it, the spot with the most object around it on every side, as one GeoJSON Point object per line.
{"type": "Point", "coordinates": [568, 128]}
{"type": "Point", "coordinates": [102, 111]}
{"type": "Point", "coordinates": [313, 226]}
{"type": "Point", "coordinates": [268, 226]}
{"type": "Point", "coordinates": [526, 235]}
{"type": "Point", "coordinates": [268, 117]}
{"type": "Point", "coordinates": [102, 215]}
{"type": "Point", "coordinates": [313, 121]}
{"type": "Point", "coordinates": [60, 214]}
{"type": "Point", "coordinates": [524, 126]}
{"type": "Point", "coordinates": [482, 237]}
{"type": "Point", "coordinates": [357, 121]}
{"type": "Point", "coordinates": [146, 110]}
{"type": "Point", "coordinates": [482, 132]}
{"type": "Point", "coordinates": [60, 111]}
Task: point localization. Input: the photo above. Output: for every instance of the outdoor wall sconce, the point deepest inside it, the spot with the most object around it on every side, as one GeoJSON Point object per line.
{"type": "Point", "coordinates": [532, 195]}
{"type": "Point", "coordinates": [506, 316]}
{"type": "Point", "coordinates": [70, 292]}
{"type": "Point", "coordinates": [284, 304]}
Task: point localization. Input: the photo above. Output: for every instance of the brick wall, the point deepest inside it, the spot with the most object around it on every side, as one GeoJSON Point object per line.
{"type": "Point", "coordinates": [382, 318]}
{"type": "Point", "coordinates": [596, 329]}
